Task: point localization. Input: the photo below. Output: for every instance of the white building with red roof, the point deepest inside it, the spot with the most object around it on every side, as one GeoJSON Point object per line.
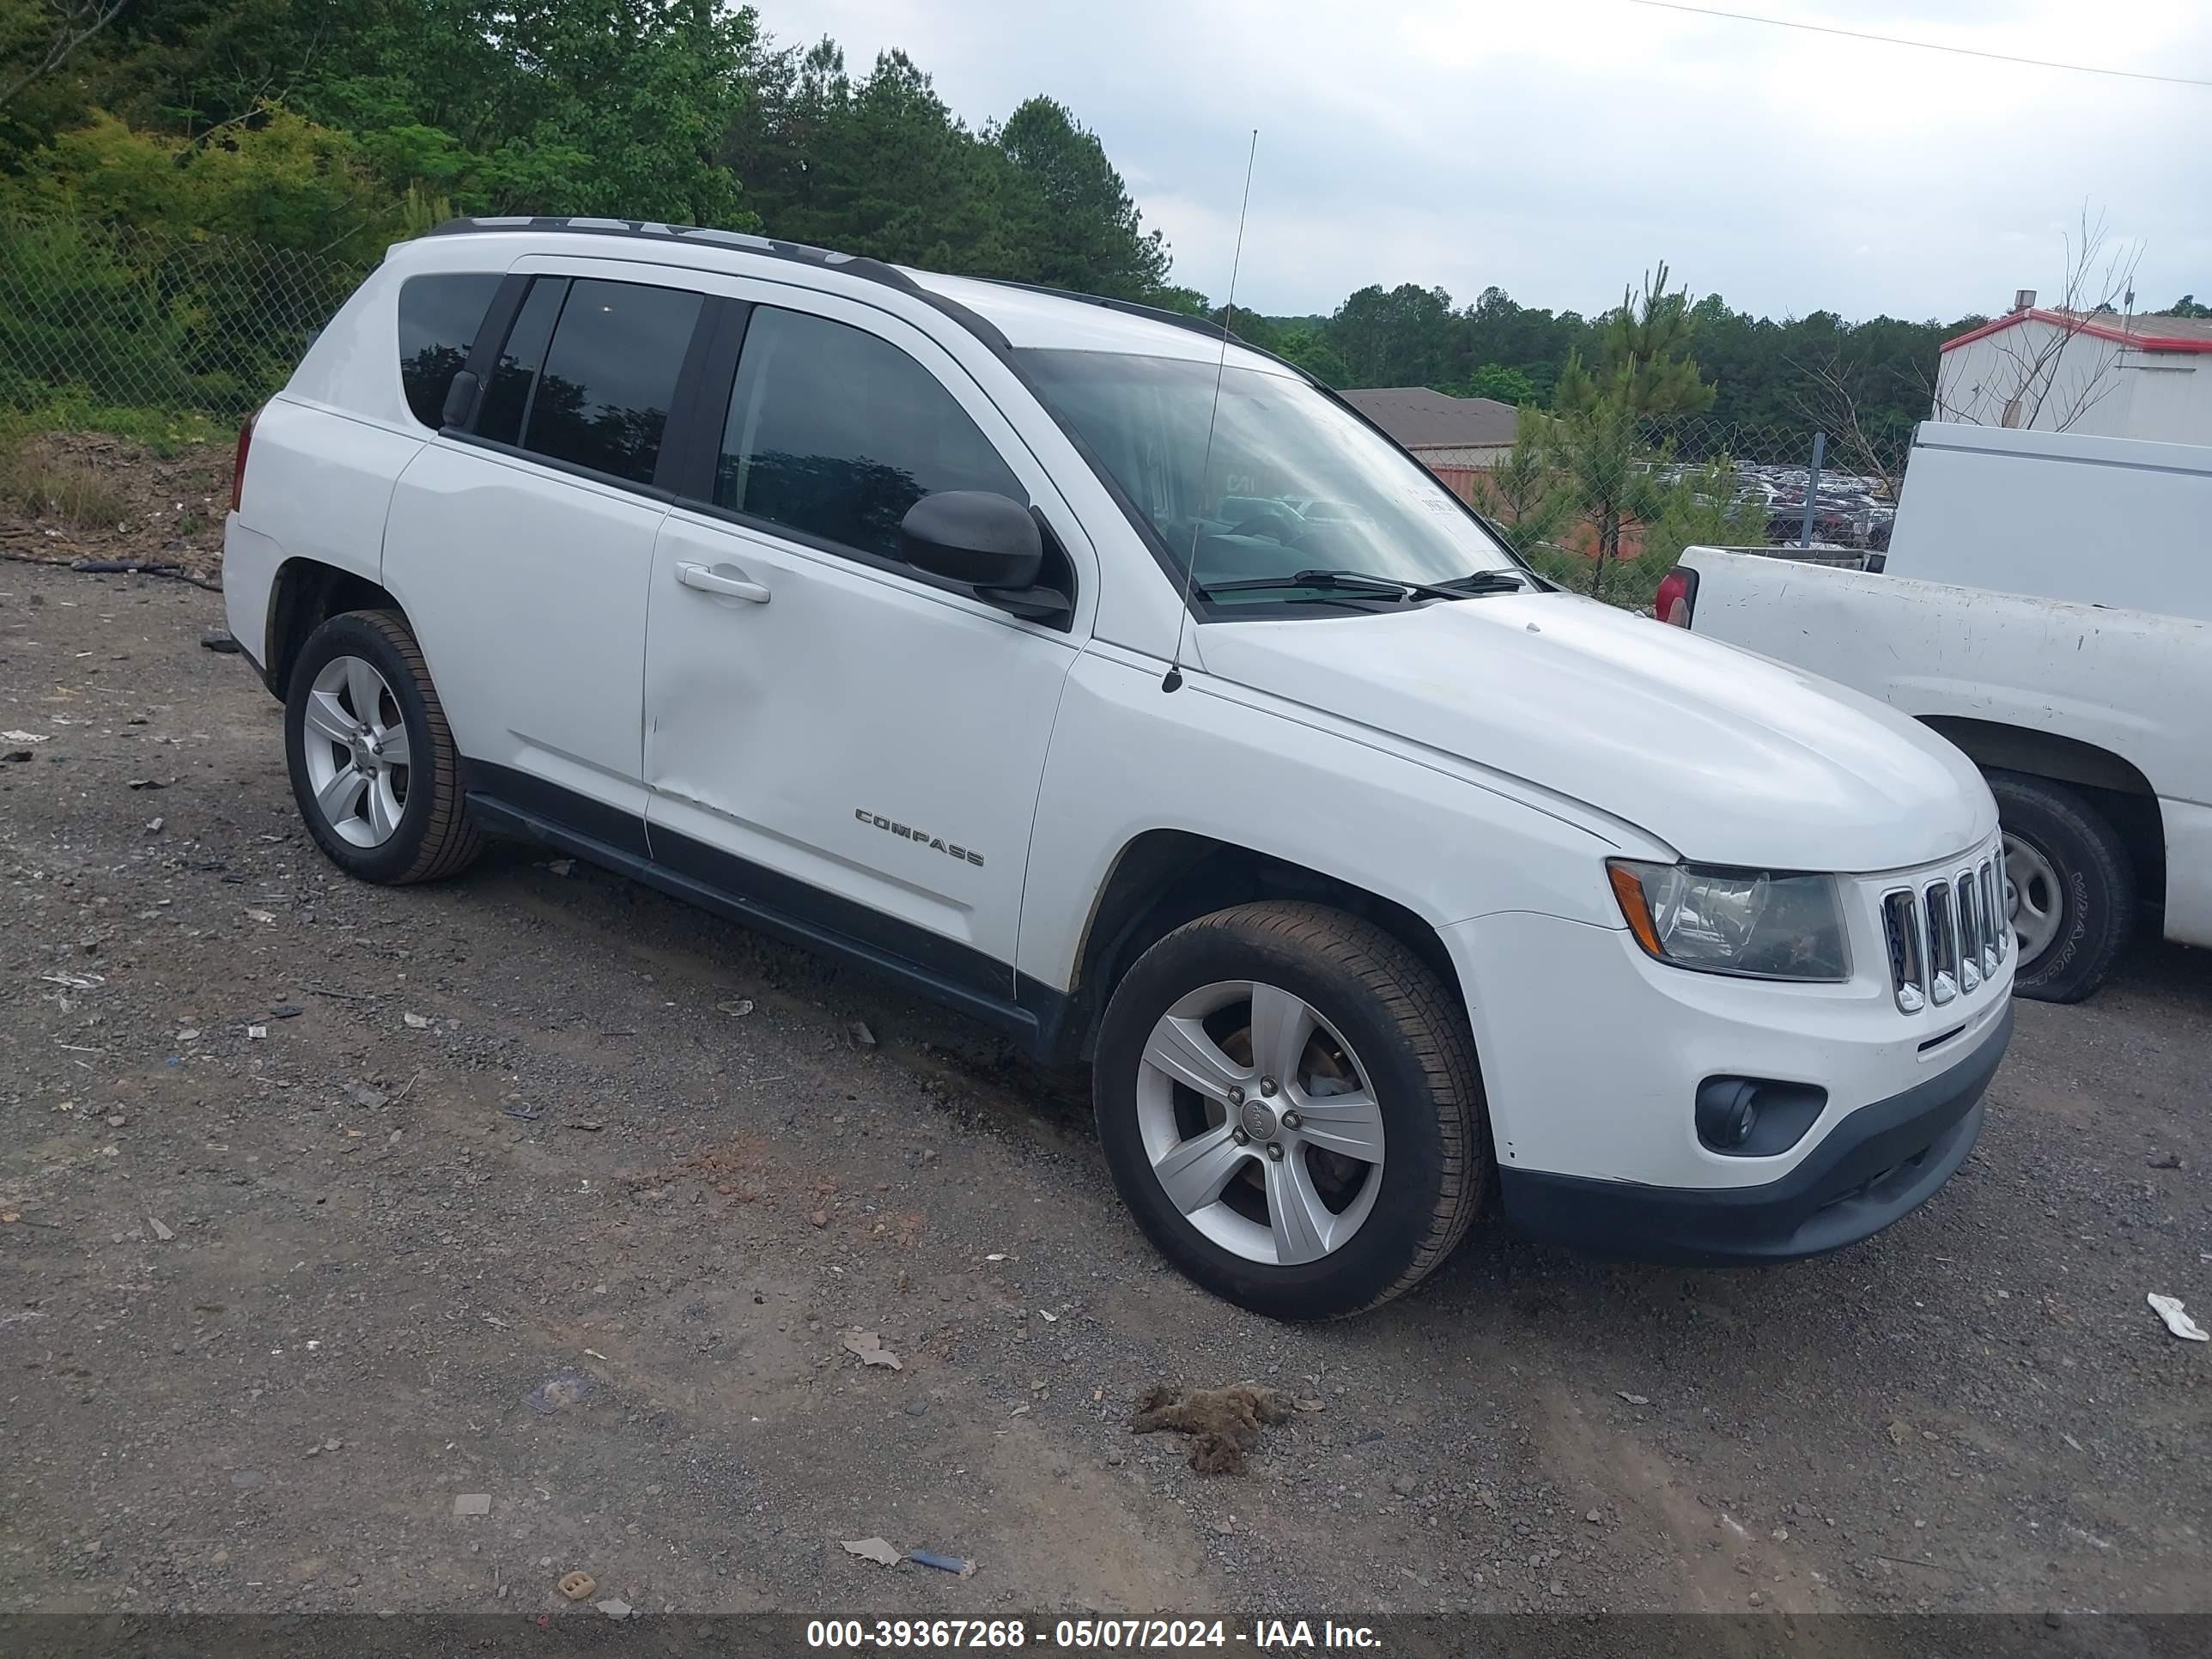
{"type": "Point", "coordinates": [2106, 372]}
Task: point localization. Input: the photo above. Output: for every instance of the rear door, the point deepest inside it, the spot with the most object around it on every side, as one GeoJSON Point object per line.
{"type": "Point", "coordinates": [521, 544]}
{"type": "Point", "coordinates": [846, 740]}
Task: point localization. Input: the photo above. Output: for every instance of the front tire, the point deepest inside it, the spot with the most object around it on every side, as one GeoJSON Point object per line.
{"type": "Point", "coordinates": [2069, 888]}
{"type": "Point", "coordinates": [1288, 1101]}
{"type": "Point", "coordinates": [372, 762]}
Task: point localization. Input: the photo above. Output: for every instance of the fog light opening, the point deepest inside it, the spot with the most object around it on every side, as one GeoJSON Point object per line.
{"type": "Point", "coordinates": [1754, 1116]}
{"type": "Point", "coordinates": [1728, 1113]}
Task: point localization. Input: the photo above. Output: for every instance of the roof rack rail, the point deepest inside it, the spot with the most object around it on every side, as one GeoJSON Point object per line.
{"type": "Point", "coordinates": [1157, 313]}
{"type": "Point", "coordinates": [856, 264]}
{"type": "Point", "coordinates": [1182, 319]}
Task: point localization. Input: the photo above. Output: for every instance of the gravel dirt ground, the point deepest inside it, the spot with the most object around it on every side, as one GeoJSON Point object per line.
{"type": "Point", "coordinates": [409, 1249]}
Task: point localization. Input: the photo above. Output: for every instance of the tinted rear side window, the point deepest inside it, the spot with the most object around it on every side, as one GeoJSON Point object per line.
{"type": "Point", "coordinates": [439, 316]}
{"type": "Point", "coordinates": [610, 376]}
{"type": "Point", "coordinates": [836, 432]}
{"type": "Point", "coordinates": [507, 399]}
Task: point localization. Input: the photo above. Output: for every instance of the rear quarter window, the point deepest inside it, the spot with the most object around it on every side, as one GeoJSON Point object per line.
{"type": "Point", "coordinates": [439, 317]}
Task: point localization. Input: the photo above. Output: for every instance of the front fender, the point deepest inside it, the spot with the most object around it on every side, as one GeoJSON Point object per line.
{"type": "Point", "coordinates": [1127, 757]}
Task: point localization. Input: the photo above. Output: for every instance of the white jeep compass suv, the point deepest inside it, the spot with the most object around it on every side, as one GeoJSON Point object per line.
{"type": "Point", "coordinates": [998, 640]}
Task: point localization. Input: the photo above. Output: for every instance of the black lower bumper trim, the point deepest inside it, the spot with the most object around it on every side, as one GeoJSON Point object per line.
{"type": "Point", "coordinates": [1882, 1162]}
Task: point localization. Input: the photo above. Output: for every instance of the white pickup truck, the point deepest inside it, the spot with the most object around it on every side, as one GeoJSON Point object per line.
{"type": "Point", "coordinates": [2046, 605]}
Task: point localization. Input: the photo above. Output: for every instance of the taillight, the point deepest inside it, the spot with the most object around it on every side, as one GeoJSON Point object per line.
{"type": "Point", "coordinates": [1677, 596]}
{"type": "Point", "coordinates": [238, 464]}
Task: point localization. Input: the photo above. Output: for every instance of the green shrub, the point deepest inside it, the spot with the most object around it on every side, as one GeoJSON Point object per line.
{"type": "Point", "coordinates": [75, 313]}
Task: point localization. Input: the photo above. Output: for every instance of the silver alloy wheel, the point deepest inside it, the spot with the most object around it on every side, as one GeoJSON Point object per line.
{"type": "Point", "coordinates": [355, 744]}
{"type": "Point", "coordinates": [1255, 1115]}
{"type": "Point", "coordinates": [2035, 898]}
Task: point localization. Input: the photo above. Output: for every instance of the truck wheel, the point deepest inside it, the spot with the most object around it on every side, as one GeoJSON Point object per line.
{"type": "Point", "coordinates": [1290, 1103]}
{"type": "Point", "coordinates": [372, 762]}
{"type": "Point", "coordinates": [2069, 887]}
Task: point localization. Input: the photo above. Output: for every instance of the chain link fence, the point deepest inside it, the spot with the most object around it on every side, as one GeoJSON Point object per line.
{"type": "Point", "coordinates": [1812, 485]}
{"type": "Point", "coordinates": [139, 319]}
{"type": "Point", "coordinates": [1643, 491]}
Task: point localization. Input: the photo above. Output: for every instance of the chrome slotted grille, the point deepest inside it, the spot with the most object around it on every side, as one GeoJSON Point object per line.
{"type": "Point", "coordinates": [1991, 923]}
{"type": "Point", "coordinates": [1908, 956]}
{"type": "Point", "coordinates": [1966, 908]}
{"type": "Point", "coordinates": [2004, 905]}
{"type": "Point", "coordinates": [1942, 944]}
{"type": "Point", "coordinates": [1947, 938]}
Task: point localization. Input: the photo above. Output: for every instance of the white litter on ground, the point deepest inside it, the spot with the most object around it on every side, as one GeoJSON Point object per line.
{"type": "Point", "coordinates": [2168, 1308]}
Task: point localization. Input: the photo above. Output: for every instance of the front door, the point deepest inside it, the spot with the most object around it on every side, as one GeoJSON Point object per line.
{"type": "Point", "coordinates": [849, 742]}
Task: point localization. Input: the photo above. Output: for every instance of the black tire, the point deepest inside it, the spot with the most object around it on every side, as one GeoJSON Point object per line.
{"type": "Point", "coordinates": [1411, 1037]}
{"type": "Point", "coordinates": [2096, 883]}
{"type": "Point", "coordinates": [435, 836]}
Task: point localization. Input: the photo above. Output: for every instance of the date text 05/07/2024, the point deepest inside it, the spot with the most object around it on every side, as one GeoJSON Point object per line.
{"type": "Point", "coordinates": [1002, 1635]}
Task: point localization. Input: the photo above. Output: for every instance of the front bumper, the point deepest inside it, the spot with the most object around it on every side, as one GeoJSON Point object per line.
{"type": "Point", "coordinates": [1878, 1163]}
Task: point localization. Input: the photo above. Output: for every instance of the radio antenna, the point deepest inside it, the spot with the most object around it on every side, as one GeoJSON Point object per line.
{"type": "Point", "coordinates": [1173, 677]}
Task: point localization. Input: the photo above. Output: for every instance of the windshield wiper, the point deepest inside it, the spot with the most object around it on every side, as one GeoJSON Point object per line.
{"type": "Point", "coordinates": [1490, 581]}
{"type": "Point", "coordinates": [1348, 581]}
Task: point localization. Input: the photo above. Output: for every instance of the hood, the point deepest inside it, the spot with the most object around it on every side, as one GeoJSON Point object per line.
{"type": "Point", "coordinates": [1729, 758]}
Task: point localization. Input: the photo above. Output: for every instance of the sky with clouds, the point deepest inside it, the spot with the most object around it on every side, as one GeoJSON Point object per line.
{"type": "Point", "coordinates": [1555, 147]}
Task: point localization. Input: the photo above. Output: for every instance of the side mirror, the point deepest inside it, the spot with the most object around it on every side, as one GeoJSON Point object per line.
{"type": "Point", "coordinates": [974, 536]}
{"type": "Point", "coordinates": [460, 400]}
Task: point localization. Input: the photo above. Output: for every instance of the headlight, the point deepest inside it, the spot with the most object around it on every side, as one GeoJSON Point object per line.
{"type": "Point", "coordinates": [1734, 921]}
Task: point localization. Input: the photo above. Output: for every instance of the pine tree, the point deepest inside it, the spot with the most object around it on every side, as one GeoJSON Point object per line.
{"type": "Point", "coordinates": [1644, 372]}
{"type": "Point", "coordinates": [1522, 494]}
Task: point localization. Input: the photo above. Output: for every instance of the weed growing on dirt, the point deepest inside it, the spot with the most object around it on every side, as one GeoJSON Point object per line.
{"type": "Point", "coordinates": [69, 492]}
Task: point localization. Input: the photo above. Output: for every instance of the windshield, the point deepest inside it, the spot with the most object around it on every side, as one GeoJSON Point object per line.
{"type": "Point", "coordinates": [1297, 483]}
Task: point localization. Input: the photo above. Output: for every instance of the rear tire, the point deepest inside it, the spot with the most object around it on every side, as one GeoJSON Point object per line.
{"type": "Point", "coordinates": [2069, 884]}
{"type": "Point", "coordinates": [385, 823]}
{"type": "Point", "coordinates": [1382, 1058]}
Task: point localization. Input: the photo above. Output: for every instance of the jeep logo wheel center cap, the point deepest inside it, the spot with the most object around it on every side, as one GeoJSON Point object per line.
{"type": "Point", "coordinates": [1257, 1119]}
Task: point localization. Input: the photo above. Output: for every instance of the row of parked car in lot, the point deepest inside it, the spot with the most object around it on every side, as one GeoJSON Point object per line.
{"type": "Point", "coordinates": [935, 624]}
{"type": "Point", "coordinates": [1849, 510]}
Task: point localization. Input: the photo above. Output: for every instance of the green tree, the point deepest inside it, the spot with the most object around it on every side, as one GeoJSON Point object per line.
{"type": "Point", "coordinates": [1398, 337]}
{"type": "Point", "coordinates": [606, 106]}
{"type": "Point", "coordinates": [1644, 372]}
{"type": "Point", "coordinates": [1522, 493]}
{"type": "Point", "coordinates": [1535, 342]}
{"type": "Point", "coordinates": [1310, 348]}
{"type": "Point", "coordinates": [2186, 305]}
{"type": "Point", "coordinates": [1072, 217]}
{"type": "Point", "coordinates": [879, 166]}
{"type": "Point", "coordinates": [281, 180]}
{"type": "Point", "coordinates": [589, 106]}
{"type": "Point", "coordinates": [882, 166]}
{"type": "Point", "coordinates": [1698, 507]}
{"type": "Point", "coordinates": [38, 37]}
{"type": "Point", "coordinates": [1506, 385]}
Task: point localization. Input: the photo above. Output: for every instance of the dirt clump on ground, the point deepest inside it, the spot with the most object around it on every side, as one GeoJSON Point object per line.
{"type": "Point", "coordinates": [66, 496]}
{"type": "Point", "coordinates": [1223, 1424]}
